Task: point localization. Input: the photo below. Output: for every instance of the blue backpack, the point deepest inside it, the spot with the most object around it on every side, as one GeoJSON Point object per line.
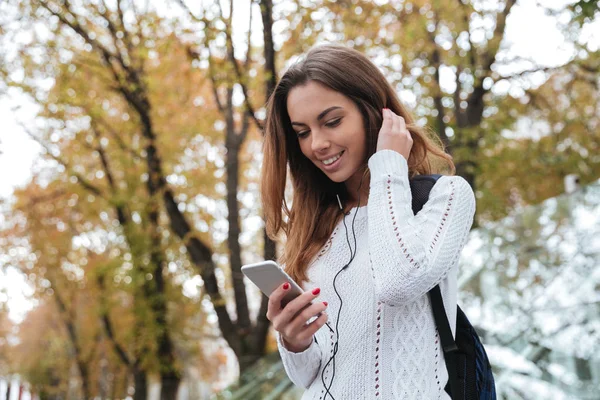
{"type": "Point", "coordinates": [469, 372]}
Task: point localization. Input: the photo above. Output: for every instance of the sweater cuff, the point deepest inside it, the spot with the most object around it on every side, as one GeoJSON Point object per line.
{"type": "Point", "coordinates": [299, 360]}
{"type": "Point", "coordinates": [387, 162]}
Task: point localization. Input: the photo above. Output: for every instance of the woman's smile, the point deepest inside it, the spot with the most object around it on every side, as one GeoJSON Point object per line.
{"type": "Point", "coordinates": [331, 163]}
{"type": "Point", "coordinates": [330, 130]}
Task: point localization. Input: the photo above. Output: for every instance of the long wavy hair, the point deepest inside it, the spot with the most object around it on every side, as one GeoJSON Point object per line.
{"type": "Point", "coordinates": [310, 220]}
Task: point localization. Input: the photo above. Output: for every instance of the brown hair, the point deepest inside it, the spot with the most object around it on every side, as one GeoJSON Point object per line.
{"type": "Point", "coordinates": [315, 212]}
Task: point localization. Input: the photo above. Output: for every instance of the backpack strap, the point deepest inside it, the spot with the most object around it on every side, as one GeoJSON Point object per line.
{"type": "Point", "coordinates": [420, 187]}
{"type": "Point", "coordinates": [448, 344]}
{"type": "Point", "coordinates": [441, 320]}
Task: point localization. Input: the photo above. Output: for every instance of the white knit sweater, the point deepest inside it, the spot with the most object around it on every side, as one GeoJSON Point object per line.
{"type": "Point", "coordinates": [388, 343]}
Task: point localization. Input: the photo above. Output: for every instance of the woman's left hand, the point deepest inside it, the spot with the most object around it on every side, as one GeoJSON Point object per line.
{"type": "Point", "coordinates": [394, 134]}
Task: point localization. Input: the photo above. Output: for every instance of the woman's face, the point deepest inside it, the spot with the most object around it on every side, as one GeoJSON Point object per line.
{"type": "Point", "coordinates": [330, 130]}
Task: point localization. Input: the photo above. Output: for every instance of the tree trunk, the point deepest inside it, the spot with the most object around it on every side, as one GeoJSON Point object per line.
{"type": "Point", "coordinates": [233, 235]}
{"type": "Point", "coordinates": [169, 386]}
{"type": "Point", "coordinates": [68, 320]}
{"type": "Point", "coordinates": [156, 288]}
{"type": "Point", "coordinates": [467, 169]}
{"type": "Point", "coordinates": [469, 119]}
{"type": "Point", "coordinates": [85, 380]}
{"type": "Point", "coordinates": [261, 329]}
{"type": "Point", "coordinates": [170, 376]}
{"type": "Point", "coordinates": [140, 383]}
{"type": "Point", "coordinates": [266, 10]}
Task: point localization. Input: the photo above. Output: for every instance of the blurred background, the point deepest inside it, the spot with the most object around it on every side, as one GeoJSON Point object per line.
{"type": "Point", "coordinates": [130, 151]}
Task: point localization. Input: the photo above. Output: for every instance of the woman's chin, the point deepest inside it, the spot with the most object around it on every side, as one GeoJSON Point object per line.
{"type": "Point", "coordinates": [336, 177]}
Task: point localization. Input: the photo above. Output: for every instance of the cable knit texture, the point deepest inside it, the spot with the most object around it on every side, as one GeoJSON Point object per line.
{"type": "Point", "coordinates": [388, 343]}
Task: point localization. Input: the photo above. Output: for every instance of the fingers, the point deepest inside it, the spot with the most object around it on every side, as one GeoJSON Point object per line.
{"type": "Point", "coordinates": [299, 321]}
{"type": "Point", "coordinates": [388, 121]}
{"type": "Point", "coordinates": [403, 129]}
{"type": "Point", "coordinates": [394, 134]}
{"type": "Point", "coordinates": [292, 320]}
{"type": "Point", "coordinates": [275, 298]}
{"type": "Point", "coordinates": [398, 124]}
{"type": "Point", "coordinates": [293, 308]}
{"type": "Point", "coordinates": [309, 330]}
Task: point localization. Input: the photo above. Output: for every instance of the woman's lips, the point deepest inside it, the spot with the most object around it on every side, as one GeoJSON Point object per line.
{"type": "Point", "coordinates": [333, 166]}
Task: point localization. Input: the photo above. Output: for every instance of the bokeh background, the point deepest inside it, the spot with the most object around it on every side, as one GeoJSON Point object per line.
{"type": "Point", "coordinates": [130, 150]}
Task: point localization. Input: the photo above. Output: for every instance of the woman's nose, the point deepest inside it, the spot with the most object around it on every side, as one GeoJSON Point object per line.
{"type": "Point", "coordinates": [319, 141]}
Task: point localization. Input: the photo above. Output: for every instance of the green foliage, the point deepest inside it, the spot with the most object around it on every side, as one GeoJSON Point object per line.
{"type": "Point", "coordinates": [585, 10]}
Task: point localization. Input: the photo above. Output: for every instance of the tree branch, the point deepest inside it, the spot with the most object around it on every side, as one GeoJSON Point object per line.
{"type": "Point", "coordinates": [108, 327]}
{"type": "Point", "coordinates": [97, 118]}
{"type": "Point", "coordinates": [84, 182]}
{"type": "Point", "coordinates": [241, 79]}
{"type": "Point", "coordinates": [466, 13]}
{"type": "Point", "coordinates": [494, 44]}
{"type": "Point", "coordinates": [437, 95]}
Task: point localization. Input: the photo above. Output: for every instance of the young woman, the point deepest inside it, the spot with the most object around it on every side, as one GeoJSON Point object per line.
{"type": "Point", "coordinates": [365, 260]}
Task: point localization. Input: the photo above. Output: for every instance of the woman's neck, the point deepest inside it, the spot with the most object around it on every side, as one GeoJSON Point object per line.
{"type": "Point", "coordinates": [357, 192]}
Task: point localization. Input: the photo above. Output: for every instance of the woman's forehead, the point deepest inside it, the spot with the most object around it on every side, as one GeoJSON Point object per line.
{"type": "Point", "coordinates": [307, 102]}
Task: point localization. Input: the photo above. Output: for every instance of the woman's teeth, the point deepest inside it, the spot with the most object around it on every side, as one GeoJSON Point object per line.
{"type": "Point", "coordinates": [332, 159]}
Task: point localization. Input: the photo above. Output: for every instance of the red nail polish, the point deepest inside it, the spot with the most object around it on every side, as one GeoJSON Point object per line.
{"type": "Point", "coordinates": [316, 291]}
{"type": "Point", "coordinates": [325, 303]}
{"type": "Point", "coordinates": [286, 286]}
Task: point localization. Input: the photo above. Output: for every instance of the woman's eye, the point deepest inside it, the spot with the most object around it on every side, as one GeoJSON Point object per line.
{"type": "Point", "coordinates": [330, 124]}
{"type": "Point", "coordinates": [333, 123]}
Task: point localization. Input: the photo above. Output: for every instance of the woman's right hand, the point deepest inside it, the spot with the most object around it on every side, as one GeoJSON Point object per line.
{"type": "Point", "coordinates": [291, 321]}
{"type": "Point", "coordinates": [394, 135]}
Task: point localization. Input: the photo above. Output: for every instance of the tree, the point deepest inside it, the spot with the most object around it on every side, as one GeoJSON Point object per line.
{"type": "Point", "coordinates": [55, 269]}
{"type": "Point", "coordinates": [5, 330]}
{"type": "Point", "coordinates": [562, 115]}
{"type": "Point", "coordinates": [530, 282]}
{"type": "Point", "coordinates": [227, 74]}
{"type": "Point", "coordinates": [100, 176]}
{"type": "Point", "coordinates": [449, 59]}
{"type": "Point", "coordinates": [585, 10]}
{"type": "Point", "coordinates": [127, 72]}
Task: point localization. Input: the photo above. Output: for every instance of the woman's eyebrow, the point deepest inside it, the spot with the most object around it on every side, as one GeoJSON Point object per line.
{"type": "Point", "coordinates": [320, 116]}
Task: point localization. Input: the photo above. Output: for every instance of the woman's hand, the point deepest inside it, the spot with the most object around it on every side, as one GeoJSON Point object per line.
{"type": "Point", "coordinates": [394, 135]}
{"type": "Point", "coordinates": [291, 320]}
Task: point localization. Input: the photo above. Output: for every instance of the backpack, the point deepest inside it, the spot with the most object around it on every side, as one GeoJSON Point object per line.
{"type": "Point", "coordinates": [469, 372]}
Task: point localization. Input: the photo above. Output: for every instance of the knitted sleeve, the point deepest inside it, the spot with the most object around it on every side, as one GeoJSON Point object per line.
{"type": "Point", "coordinates": [301, 368]}
{"type": "Point", "coordinates": [411, 254]}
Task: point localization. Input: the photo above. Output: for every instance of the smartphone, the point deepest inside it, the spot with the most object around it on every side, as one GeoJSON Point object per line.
{"type": "Point", "coordinates": [268, 276]}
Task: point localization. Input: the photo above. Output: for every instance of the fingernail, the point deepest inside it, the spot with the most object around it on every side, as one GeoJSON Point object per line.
{"type": "Point", "coordinates": [325, 303]}
{"type": "Point", "coordinates": [286, 286]}
{"type": "Point", "coordinates": [316, 291]}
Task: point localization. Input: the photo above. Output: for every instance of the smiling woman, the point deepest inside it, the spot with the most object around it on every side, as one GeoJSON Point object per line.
{"type": "Point", "coordinates": [350, 145]}
{"type": "Point", "coordinates": [332, 137]}
{"type": "Point", "coordinates": [330, 103]}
